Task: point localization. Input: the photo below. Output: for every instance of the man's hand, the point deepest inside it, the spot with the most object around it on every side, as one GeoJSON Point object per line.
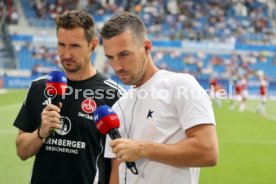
{"type": "Point", "coordinates": [50, 119]}
{"type": "Point", "coordinates": [126, 150]}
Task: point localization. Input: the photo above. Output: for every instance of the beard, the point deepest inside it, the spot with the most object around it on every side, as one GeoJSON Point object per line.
{"type": "Point", "coordinates": [70, 66]}
{"type": "Point", "coordinates": [71, 70]}
{"type": "Point", "coordinates": [129, 79]}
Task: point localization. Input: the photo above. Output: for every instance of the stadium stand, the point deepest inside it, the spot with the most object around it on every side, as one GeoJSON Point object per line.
{"type": "Point", "coordinates": [224, 38]}
{"type": "Point", "coordinates": [6, 49]}
{"type": "Point", "coordinates": [248, 21]}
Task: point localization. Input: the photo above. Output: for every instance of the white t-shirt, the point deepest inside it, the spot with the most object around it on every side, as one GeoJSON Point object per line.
{"type": "Point", "coordinates": [160, 111]}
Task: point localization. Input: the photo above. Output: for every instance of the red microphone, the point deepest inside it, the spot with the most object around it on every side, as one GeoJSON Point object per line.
{"type": "Point", "coordinates": [56, 86]}
{"type": "Point", "coordinates": [107, 122]}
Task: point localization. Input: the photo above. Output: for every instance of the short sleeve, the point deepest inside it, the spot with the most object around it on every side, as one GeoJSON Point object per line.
{"type": "Point", "coordinates": [108, 151]}
{"type": "Point", "coordinates": [192, 103]}
{"type": "Point", "coordinates": [27, 118]}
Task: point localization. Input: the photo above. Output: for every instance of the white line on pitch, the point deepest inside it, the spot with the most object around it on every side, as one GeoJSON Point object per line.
{"type": "Point", "coordinates": [247, 141]}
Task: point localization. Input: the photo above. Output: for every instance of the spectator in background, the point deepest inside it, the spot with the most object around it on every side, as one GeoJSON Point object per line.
{"type": "Point", "coordinates": [1, 9]}
{"type": "Point", "coordinates": [274, 13]}
{"type": "Point", "coordinates": [240, 8]}
{"type": "Point", "coordinates": [14, 17]}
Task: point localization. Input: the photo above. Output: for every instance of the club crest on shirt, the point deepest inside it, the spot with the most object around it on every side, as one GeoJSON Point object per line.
{"type": "Point", "coordinates": [88, 105]}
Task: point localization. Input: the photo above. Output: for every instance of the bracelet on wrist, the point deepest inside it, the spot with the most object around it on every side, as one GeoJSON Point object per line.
{"type": "Point", "coordinates": [39, 136]}
{"type": "Point", "coordinates": [142, 150]}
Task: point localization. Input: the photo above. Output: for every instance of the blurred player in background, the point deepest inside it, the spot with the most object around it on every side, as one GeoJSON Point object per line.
{"type": "Point", "coordinates": [263, 94]}
{"type": "Point", "coordinates": [215, 88]}
{"type": "Point", "coordinates": [244, 92]}
{"type": "Point", "coordinates": [237, 96]}
{"type": "Point", "coordinates": [241, 94]}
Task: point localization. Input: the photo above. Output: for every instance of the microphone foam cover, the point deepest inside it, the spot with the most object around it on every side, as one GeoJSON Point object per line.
{"type": "Point", "coordinates": [106, 119]}
{"type": "Point", "coordinates": [56, 83]}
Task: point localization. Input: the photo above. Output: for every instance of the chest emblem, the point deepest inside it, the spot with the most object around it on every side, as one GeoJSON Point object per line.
{"type": "Point", "coordinates": [150, 114]}
{"type": "Point", "coordinates": [88, 105]}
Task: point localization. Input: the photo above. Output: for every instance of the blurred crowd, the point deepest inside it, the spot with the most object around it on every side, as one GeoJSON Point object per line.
{"type": "Point", "coordinates": [40, 59]}
{"type": "Point", "coordinates": [202, 65]}
{"type": "Point", "coordinates": [247, 21]}
{"type": "Point", "coordinates": [51, 8]}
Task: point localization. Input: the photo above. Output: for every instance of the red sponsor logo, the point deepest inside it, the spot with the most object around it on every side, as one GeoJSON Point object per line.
{"type": "Point", "coordinates": [88, 105]}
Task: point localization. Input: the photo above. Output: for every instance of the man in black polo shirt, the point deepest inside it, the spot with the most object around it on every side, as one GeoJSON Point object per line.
{"type": "Point", "coordinates": [74, 153]}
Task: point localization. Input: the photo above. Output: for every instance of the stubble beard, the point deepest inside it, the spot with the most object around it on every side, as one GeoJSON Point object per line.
{"type": "Point", "coordinates": [71, 69]}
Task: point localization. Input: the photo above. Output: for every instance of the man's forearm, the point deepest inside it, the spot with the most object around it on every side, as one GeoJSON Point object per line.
{"type": "Point", "coordinates": [114, 176]}
{"type": "Point", "coordinates": [197, 151]}
{"type": "Point", "coordinates": [183, 154]}
{"type": "Point", "coordinates": [27, 144]}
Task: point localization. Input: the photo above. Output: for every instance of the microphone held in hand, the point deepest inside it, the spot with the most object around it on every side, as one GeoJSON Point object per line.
{"type": "Point", "coordinates": [56, 86]}
{"type": "Point", "coordinates": [107, 122]}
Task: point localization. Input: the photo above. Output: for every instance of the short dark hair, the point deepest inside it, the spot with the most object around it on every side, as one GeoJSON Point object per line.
{"type": "Point", "coordinates": [122, 22]}
{"type": "Point", "coordinates": [78, 18]}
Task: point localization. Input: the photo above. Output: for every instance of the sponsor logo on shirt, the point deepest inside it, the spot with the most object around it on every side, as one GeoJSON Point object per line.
{"type": "Point", "coordinates": [87, 116]}
{"type": "Point", "coordinates": [65, 126]}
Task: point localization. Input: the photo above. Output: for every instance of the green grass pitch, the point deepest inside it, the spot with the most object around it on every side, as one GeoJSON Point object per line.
{"type": "Point", "coordinates": [247, 145]}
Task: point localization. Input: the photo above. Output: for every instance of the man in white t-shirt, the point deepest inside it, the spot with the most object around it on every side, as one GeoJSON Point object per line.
{"type": "Point", "coordinates": [167, 120]}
